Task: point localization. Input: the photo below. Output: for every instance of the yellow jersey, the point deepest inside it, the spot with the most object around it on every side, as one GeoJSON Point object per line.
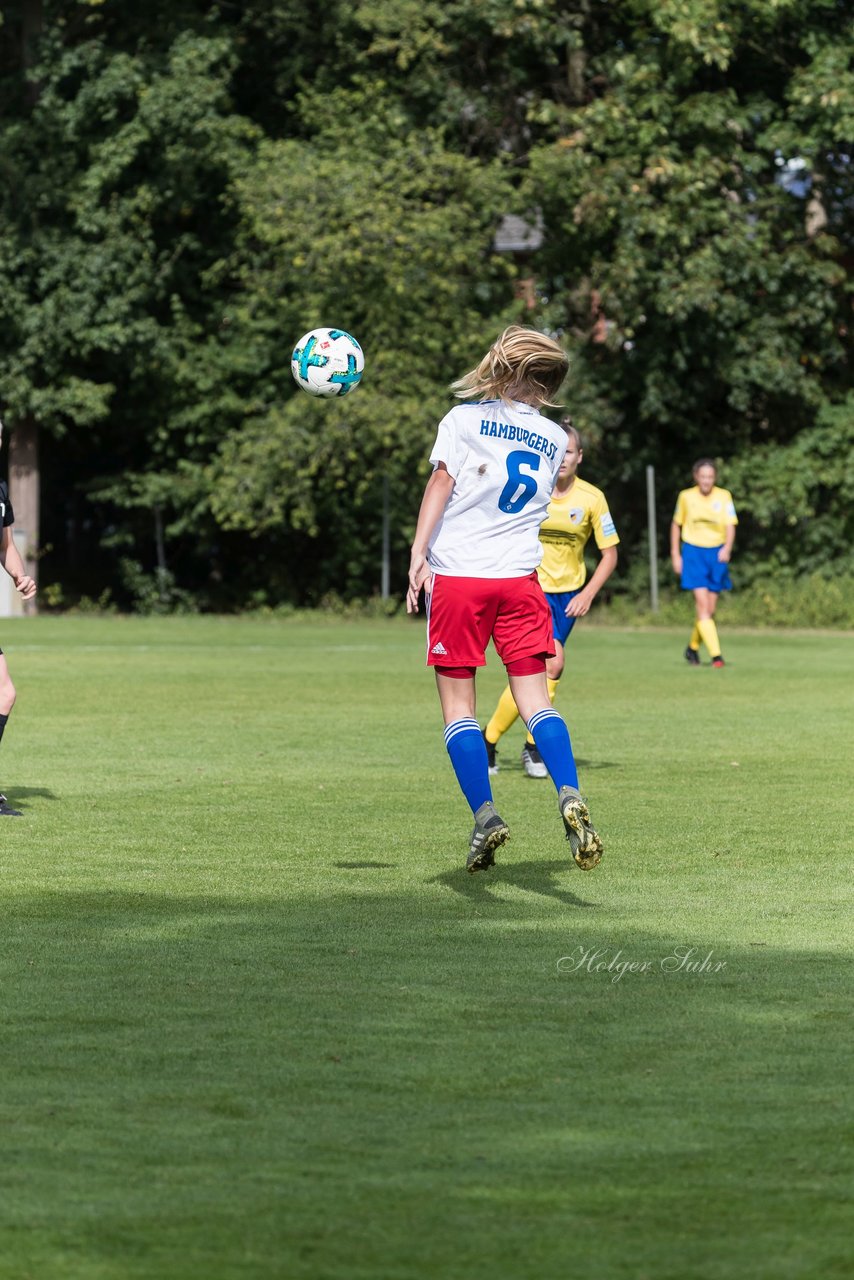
{"type": "Point", "coordinates": [704, 520]}
{"type": "Point", "coordinates": [564, 533]}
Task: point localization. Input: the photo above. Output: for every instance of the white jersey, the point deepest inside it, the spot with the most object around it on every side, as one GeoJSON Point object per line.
{"type": "Point", "coordinates": [504, 458]}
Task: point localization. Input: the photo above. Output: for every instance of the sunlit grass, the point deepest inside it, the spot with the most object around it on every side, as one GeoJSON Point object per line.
{"type": "Point", "coordinates": [258, 1022]}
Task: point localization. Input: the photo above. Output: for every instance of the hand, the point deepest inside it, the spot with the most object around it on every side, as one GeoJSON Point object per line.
{"type": "Point", "coordinates": [676, 561]}
{"type": "Point", "coordinates": [26, 585]}
{"type": "Point", "coordinates": [419, 572]}
{"type": "Point", "coordinates": [723, 555]}
{"type": "Point", "coordinates": [579, 605]}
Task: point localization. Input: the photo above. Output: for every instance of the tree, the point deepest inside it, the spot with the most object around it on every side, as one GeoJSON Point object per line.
{"type": "Point", "coordinates": [116, 178]}
{"type": "Point", "coordinates": [414, 274]}
{"type": "Point", "coordinates": [200, 182]}
{"type": "Point", "coordinates": [665, 203]}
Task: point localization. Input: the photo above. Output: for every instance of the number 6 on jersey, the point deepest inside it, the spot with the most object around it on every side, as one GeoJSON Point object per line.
{"type": "Point", "coordinates": [510, 499]}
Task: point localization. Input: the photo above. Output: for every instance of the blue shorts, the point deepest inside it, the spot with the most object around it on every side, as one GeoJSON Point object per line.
{"type": "Point", "coordinates": [561, 624]}
{"type": "Point", "coordinates": [702, 568]}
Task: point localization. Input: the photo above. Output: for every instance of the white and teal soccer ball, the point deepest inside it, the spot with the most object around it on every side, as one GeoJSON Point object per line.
{"type": "Point", "coordinates": [327, 362]}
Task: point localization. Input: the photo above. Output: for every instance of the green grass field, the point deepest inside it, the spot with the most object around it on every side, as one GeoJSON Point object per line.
{"type": "Point", "coordinates": [258, 1022]}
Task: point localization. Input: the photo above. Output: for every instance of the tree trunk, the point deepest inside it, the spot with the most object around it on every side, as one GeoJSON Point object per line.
{"type": "Point", "coordinates": [32, 20]}
{"type": "Point", "coordinates": [576, 58]}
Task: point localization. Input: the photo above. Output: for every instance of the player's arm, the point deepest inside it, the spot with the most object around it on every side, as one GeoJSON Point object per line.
{"type": "Point", "coordinates": [436, 494]}
{"type": "Point", "coordinates": [729, 541]}
{"type": "Point", "coordinates": [10, 558]}
{"type": "Point", "coordinates": [725, 551]}
{"type": "Point", "coordinates": [675, 552]}
{"type": "Point", "coordinates": [580, 605]}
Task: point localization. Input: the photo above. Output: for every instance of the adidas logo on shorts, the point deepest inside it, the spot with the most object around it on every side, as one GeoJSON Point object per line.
{"type": "Point", "coordinates": [439, 649]}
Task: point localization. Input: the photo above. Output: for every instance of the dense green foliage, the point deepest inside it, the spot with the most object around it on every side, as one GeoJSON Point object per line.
{"type": "Point", "coordinates": [190, 186]}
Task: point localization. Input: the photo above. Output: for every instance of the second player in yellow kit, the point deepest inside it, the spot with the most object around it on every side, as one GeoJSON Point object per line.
{"type": "Point", "coordinates": [702, 534]}
{"type": "Point", "coordinates": [577, 511]}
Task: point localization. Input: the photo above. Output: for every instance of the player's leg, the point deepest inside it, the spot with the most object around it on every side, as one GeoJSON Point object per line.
{"type": "Point", "coordinates": [7, 702]}
{"type": "Point", "coordinates": [461, 612]}
{"type": "Point", "coordinates": [717, 657]}
{"type": "Point", "coordinates": [523, 641]}
{"type": "Point", "coordinates": [503, 717]}
{"type": "Point", "coordinates": [463, 739]}
{"type": "Point", "coordinates": [692, 653]}
{"type": "Point", "coordinates": [693, 577]}
{"type": "Point", "coordinates": [465, 746]}
{"type": "Point", "coordinates": [546, 726]}
{"type": "Point", "coordinates": [554, 669]}
{"type": "Point", "coordinates": [532, 761]}
{"type": "Point", "coordinates": [555, 666]}
{"type": "Point", "coordinates": [719, 580]}
{"type": "Point", "coordinates": [561, 631]}
{"type": "Point", "coordinates": [506, 712]}
{"type": "Point", "coordinates": [551, 735]}
{"type": "Point", "coordinates": [706, 602]}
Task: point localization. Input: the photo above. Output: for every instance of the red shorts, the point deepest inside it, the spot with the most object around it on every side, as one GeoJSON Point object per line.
{"type": "Point", "coordinates": [463, 613]}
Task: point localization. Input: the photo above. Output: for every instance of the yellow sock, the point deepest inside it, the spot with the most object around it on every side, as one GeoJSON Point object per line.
{"type": "Point", "coordinates": [709, 632]}
{"type": "Point", "coordinates": [694, 642]}
{"type": "Point", "coordinates": [503, 717]}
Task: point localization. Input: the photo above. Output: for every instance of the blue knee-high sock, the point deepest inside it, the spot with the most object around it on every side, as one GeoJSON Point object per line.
{"type": "Point", "coordinates": [466, 748]}
{"type": "Point", "coordinates": [549, 731]}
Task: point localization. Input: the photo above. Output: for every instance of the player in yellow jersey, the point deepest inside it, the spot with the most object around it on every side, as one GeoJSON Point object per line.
{"type": "Point", "coordinates": [705, 520]}
{"type": "Point", "coordinates": [576, 511]}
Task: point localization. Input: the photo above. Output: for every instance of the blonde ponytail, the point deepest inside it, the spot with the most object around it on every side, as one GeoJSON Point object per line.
{"type": "Point", "coordinates": [523, 361]}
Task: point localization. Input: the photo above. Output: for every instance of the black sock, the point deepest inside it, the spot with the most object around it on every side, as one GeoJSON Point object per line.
{"type": "Point", "coordinates": [3, 720]}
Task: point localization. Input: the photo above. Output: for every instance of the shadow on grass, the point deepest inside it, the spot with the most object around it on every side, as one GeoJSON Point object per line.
{"type": "Point", "coordinates": [21, 795]}
{"type": "Point", "coordinates": [181, 1074]}
{"type": "Point", "coordinates": [514, 765]}
{"type": "Point", "coordinates": [364, 866]}
{"type": "Point", "coordinates": [532, 876]}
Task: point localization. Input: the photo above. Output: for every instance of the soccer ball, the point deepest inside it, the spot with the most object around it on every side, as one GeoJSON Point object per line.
{"type": "Point", "coordinates": [327, 362]}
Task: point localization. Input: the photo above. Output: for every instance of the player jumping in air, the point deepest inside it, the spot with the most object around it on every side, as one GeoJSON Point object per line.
{"type": "Point", "coordinates": [476, 550]}
{"type": "Point", "coordinates": [577, 511]}
{"type": "Point", "coordinates": [705, 517]}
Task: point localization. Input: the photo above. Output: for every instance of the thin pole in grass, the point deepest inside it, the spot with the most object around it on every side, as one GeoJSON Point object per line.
{"type": "Point", "coordinates": [653, 539]}
{"type": "Point", "coordinates": [385, 588]}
